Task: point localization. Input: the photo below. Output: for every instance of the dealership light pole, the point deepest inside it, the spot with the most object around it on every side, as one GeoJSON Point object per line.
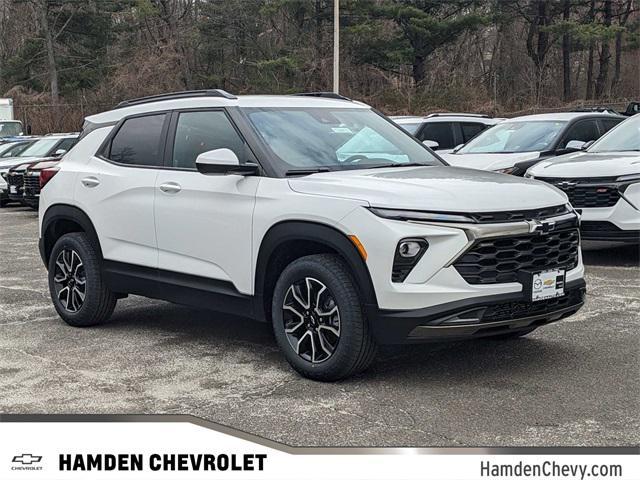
{"type": "Point", "coordinates": [336, 46]}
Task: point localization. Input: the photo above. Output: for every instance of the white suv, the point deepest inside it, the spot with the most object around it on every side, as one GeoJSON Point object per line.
{"type": "Point", "coordinates": [312, 212]}
{"type": "Point", "coordinates": [602, 181]}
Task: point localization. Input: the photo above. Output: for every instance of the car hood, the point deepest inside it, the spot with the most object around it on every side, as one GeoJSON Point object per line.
{"type": "Point", "coordinates": [487, 161]}
{"type": "Point", "coordinates": [587, 164]}
{"type": "Point", "coordinates": [437, 188]}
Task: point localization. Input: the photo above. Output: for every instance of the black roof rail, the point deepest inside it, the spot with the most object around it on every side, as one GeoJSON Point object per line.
{"type": "Point", "coordinates": [177, 95]}
{"type": "Point", "coordinates": [445, 114]}
{"type": "Point", "coordinates": [333, 95]}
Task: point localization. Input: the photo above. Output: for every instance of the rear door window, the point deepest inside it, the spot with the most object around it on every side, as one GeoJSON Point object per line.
{"type": "Point", "coordinates": [584, 130]}
{"type": "Point", "coordinates": [471, 129]}
{"type": "Point", "coordinates": [441, 132]}
{"type": "Point", "coordinates": [139, 141]}
{"type": "Point", "coordinates": [608, 124]}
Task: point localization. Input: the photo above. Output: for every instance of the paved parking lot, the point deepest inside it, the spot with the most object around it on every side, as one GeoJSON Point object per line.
{"type": "Point", "coordinates": [573, 383]}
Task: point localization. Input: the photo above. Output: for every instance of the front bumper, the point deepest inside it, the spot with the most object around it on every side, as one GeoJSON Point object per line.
{"type": "Point", "coordinates": [473, 317]}
{"type": "Point", "coordinates": [619, 223]}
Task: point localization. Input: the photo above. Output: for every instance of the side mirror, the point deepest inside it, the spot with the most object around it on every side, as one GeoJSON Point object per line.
{"type": "Point", "coordinates": [433, 145]}
{"type": "Point", "coordinates": [587, 145]}
{"type": "Point", "coordinates": [59, 152]}
{"type": "Point", "coordinates": [458, 147]}
{"type": "Point", "coordinates": [223, 161]}
{"type": "Point", "coordinates": [574, 145]}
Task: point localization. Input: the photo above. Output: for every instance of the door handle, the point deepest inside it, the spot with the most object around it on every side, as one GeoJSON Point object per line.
{"type": "Point", "coordinates": [90, 182]}
{"type": "Point", "coordinates": [170, 187]}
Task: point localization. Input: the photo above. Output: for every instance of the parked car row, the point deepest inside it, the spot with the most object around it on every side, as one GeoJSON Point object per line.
{"type": "Point", "coordinates": [591, 155]}
{"type": "Point", "coordinates": [22, 161]}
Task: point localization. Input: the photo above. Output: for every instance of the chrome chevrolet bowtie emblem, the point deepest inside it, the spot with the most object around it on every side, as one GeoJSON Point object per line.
{"type": "Point", "coordinates": [565, 184]}
{"type": "Point", "coordinates": [541, 227]}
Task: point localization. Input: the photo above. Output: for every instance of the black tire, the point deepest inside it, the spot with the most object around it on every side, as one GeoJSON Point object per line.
{"type": "Point", "coordinates": [512, 335]}
{"type": "Point", "coordinates": [355, 347]}
{"type": "Point", "coordinates": [98, 303]}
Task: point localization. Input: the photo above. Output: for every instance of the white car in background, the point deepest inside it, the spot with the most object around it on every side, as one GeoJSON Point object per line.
{"type": "Point", "coordinates": [444, 131]}
{"type": "Point", "coordinates": [516, 144]}
{"type": "Point", "coordinates": [603, 182]}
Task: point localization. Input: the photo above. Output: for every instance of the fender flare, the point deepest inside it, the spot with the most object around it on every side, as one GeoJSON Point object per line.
{"type": "Point", "coordinates": [59, 212]}
{"type": "Point", "coordinates": [319, 233]}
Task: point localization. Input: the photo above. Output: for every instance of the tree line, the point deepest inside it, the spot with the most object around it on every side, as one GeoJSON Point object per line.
{"type": "Point", "coordinates": [403, 56]}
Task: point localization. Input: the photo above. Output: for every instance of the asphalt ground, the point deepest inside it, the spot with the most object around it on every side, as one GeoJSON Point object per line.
{"type": "Point", "coordinates": [576, 382]}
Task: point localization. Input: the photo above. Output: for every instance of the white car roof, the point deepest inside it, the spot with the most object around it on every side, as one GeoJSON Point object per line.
{"type": "Point", "coordinates": [220, 101]}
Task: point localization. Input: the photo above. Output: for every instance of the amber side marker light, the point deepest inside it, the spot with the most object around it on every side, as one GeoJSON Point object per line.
{"type": "Point", "coordinates": [359, 246]}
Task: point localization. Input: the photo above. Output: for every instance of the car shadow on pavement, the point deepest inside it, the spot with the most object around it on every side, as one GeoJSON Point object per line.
{"type": "Point", "coordinates": [465, 362]}
{"type": "Point", "coordinates": [610, 255]}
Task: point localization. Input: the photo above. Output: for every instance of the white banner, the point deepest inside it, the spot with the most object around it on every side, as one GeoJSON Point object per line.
{"type": "Point", "coordinates": [166, 450]}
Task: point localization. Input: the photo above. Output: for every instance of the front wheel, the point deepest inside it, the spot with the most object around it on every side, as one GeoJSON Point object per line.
{"type": "Point", "coordinates": [77, 289]}
{"type": "Point", "coordinates": [318, 319]}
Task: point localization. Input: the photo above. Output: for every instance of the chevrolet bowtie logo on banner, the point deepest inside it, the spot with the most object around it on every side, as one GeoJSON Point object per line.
{"type": "Point", "coordinates": [26, 459]}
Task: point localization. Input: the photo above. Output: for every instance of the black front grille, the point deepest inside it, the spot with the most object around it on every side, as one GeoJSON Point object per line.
{"type": "Point", "coordinates": [521, 309]}
{"type": "Point", "coordinates": [498, 260]}
{"type": "Point", "coordinates": [31, 185]}
{"type": "Point", "coordinates": [588, 192]}
{"type": "Point", "coordinates": [519, 215]}
{"type": "Point", "coordinates": [15, 179]}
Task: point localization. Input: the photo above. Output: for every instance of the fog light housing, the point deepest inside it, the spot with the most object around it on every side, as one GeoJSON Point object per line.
{"type": "Point", "coordinates": [408, 253]}
{"type": "Point", "coordinates": [409, 248]}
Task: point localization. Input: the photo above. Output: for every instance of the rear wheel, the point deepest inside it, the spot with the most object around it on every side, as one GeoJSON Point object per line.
{"type": "Point", "coordinates": [318, 320]}
{"type": "Point", "coordinates": [77, 289]}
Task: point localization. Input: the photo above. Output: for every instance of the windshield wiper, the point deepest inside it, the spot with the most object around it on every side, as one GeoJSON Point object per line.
{"type": "Point", "coordinates": [306, 171]}
{"type": "Point", "coordinates": [396, 165]}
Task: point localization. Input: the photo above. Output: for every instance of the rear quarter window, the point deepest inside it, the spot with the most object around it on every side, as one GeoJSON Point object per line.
{"type": "Point", "coordinates": [139, 141]}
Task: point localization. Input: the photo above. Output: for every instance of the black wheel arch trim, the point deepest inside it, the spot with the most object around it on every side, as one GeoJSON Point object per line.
{"type": "Point", "coordinates": [71, 213]}
{"type": "Point", "coordinates": [329, 236]}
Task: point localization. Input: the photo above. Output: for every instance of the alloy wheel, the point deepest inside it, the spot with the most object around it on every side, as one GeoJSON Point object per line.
{"type": "Point", "coordinates": [70, 280]}
{"type": "Point", "coordinates": [311, 320]}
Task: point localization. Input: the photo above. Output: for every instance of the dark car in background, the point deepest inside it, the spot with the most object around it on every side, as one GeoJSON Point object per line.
{"type": "Point", "coordinates": [48, 146]}
{"type": "Point", "coordinates": [34, 178]}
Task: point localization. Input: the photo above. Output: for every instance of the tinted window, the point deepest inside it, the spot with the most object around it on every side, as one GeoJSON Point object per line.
{"type": "Point", "coordinates": [139, 141]}
{"type": "Point", "coordinates": [199, 132]}
{"type": "Point", "coordinates": [440, 132]}
{"type": "Point", "coordinates": [608, 124]}
{"type": "Point", "coordinates": [65, 144]}
{"type": "Point", "coordinates": [585, 131]}
{"type": "Point", "coordinates": [470, 130]}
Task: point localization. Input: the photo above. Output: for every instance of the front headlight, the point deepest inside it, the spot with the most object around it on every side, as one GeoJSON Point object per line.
{"type": "Point", "coordinates": [634, 177]}
{"type": "Point", "coordinates": [418, 216]}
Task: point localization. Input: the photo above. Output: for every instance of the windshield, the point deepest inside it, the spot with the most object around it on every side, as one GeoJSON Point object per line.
{"type": "Point", "coordinates": [10, 129]}
{"type": "Point", "coordinates": [625, 137]}
{"type": "Point", "coordinates": [335, 139]}
{"type": "Point", "coordinates": [515, 137]}
{"type": "Point", "coordinates": [40, 148]}
{"type": "Point", "coordinates": [13, 149]}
